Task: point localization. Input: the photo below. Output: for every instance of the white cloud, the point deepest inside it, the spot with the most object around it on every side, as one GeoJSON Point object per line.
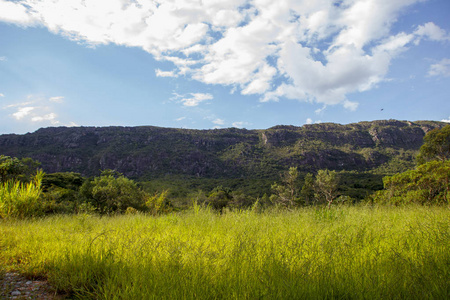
{"type": "Point", "coordinates": [446, 120]}
{"type": "Point", "coordinates": [432, 31]}
{"type": "Point", "coordinates": [442, 68]}
{"type": "Point", "coordinates": [320, 110]}
{"type": "Point", "coordinates": [310, 121]}
{"type": "Point", "coordinates": [196, 99]}
{"type": "Point", "coordinates": [350, 105]}
{"type": "Point", "coordinates": [48, 117]}
{"type": "Point", "coordinates": [3, 58]}
{"type": "Point", "coordinates": [12, 12]}
{"type": "Point", "coordinates": [58, 99]}
{"type": "Point", "coordinates": [2, 95]}
{"type": "Point", "coordinates": [23, 112]}
{"type": "Point", "coordinates": [240, 124]}
{"type": "Point", "coordinates": [160, 73]}
{"type": "Point", "coordinates": [218, 121]}
{"type": "Point", "coordinates": [180, 119]}
{"type": "Point", "coordinates": [314, 51]}
{"type": "Point", "coordinates": [36, 109]}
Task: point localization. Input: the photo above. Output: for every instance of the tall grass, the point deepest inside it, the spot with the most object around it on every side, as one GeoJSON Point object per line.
{"type": "Point", "coordinates": [342, 253]}
{"type": "Point", "coordinates": [20, 200]}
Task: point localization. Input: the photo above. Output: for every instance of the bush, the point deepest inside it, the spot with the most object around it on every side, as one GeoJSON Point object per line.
{"type": "Point", "coordinates": [157, 203]}
{"type": "Point", "coordinates": [110, 194]}
{"type": "Point", "coordinates": [21, 200]}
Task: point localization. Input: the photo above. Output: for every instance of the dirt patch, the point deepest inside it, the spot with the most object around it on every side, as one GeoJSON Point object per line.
{"type": "Point", "coordinates": [16, 286]}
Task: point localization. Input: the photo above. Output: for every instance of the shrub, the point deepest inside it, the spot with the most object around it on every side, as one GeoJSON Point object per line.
{"type": "Point", "coordinates": [157, 203]}
{"type": "Point", "coordinates": [111, 194]}
{"type": "Point", "coordinates": [21, 200]}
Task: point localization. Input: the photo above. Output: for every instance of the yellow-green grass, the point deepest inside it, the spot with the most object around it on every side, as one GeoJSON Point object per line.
{"type": "Point", "coordinates": [342, 253]}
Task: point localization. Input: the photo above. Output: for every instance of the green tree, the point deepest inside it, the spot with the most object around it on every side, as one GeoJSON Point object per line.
{"type": "Point", "coordinates": [428, 184]}
{"type": "Point", "coordinates": [61, 192]}
{"type": "Point", "coordinates": [325, 186]}
{"type": "Point", "coordinates": [10, 168]}
{"type": "Point", "coordinates": [307, 192]}
{"type": "Point", "coordinates": [219, 198]}
{"type": "Point", "coordinates": [113, 194]}
{"type": "Point", "coordinates": [14, 168]}
{"type": "Point", "coordinates": [436, 146]}
{"type": "Point", "coordinates": [286, 192]}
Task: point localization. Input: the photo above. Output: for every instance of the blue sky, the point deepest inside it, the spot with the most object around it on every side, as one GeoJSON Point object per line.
{"type": "Point", "coordinates": [217, 64]}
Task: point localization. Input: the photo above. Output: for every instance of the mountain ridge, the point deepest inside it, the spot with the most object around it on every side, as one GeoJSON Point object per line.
{"type": "Point", "coordinates": [148, 151]}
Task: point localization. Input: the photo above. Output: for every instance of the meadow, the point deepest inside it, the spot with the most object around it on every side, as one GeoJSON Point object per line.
{"type": "Point", "coordinates": [348, 252]}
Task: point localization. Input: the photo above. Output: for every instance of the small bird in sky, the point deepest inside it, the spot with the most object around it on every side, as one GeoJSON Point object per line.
{"type": "Point", "coordinates": [382, 109]}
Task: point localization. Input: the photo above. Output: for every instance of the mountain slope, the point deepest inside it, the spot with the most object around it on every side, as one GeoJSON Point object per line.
{"type": "Point", "coordinates": [150, 152]}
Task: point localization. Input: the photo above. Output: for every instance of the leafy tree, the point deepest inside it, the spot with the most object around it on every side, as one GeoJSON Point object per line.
{"type": "Point", "coordinates": [436, 146]}
{"type": "Point", "coordinates": [241, 200]}
{"type": "Point", "coordinates": [10, 167]}
{"type": "Point", "coordinates": [14, 168]}
{"type": "Point", "coordinates": [325, 186]}
{"type": "Point", "coordinates": [307, 192]}
{"type": "Point", "coordinates": [66, 180]}
{"type": "Point", "coordinates": [61, 192]}
{"type": "Point", "coordinates": [113, 194]}
{"type": "Point", "coordinates": [286, 192]}
{"type": "Point", "coordinates": [219, 198]}
{"type": "Point", "coordinates": [428, 184]}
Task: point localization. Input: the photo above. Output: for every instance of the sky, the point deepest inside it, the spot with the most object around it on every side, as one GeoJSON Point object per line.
{"type": "Point", "coordinates": [205, 64]}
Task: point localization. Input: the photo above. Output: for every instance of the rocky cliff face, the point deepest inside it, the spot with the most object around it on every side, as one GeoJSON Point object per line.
{"type": "Point", "coordinates": [152, 152]}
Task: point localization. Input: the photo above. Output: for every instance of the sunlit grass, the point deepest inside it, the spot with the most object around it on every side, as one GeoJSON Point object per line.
{"type": "Point", "coordinates": [343, 253]}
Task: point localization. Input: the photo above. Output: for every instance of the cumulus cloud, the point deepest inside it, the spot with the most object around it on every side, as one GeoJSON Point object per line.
{"type": "Point", "coordinates": [18, 13]}
{"type": "Point", "coordinates": [160, 73]}
{"type": "Point", "coordinates": [442, 68]}
{"type": "Point", "coordinates": [48, 117]}
{"type": "Point", "coordinates": [433, 32]}
{"type": "Point", "coordinates": [195, 99]}
{"type": "Point", "coordinates": [22, 112]}
{"type": "Point", "coordinates": [218, 121]}
{"type": "Point", "coordinates": [446, 120]}
{"type": "Point", "coordinates": [314, 51]}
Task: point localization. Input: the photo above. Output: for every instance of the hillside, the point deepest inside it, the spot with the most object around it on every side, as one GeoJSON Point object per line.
{"type": "Point", "coordinates": [151, 152]}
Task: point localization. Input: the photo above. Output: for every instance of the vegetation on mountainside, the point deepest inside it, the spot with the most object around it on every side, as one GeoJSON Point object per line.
{"type": "Point", "coordinates": [151, 153]}
{"type": "Point", "coordinates": [436, 146]}
{"type": "Point", "coordinates": [112, 192]}
{"type": "Point", "coordinates": [429, 182]}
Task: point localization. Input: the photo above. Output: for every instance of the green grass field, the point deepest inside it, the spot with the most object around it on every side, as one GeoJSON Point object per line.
{"type": "Point", "coordinates": [309, 253]}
